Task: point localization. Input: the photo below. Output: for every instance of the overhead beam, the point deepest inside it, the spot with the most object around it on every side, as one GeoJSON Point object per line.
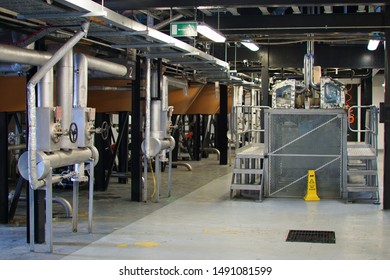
{"type": "Point", "coordinates": [150, 4]}
{"type": "Point", "coordinates": [298, 23]}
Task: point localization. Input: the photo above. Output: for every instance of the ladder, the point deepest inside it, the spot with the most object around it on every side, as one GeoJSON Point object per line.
{"type": "Point", "coordinates": [248, 170]}
{"type": "Point", "coordinates": [362, 161]}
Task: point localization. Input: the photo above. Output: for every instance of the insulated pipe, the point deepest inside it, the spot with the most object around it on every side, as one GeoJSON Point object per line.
{"type": "Point", "coordinates": [14, 54]}
{"type": "Point", "coordinates": [46, 90]}
{"type": "Point", "coordinates": [65, 93]}
{"type": "Point", "coordinates": [158, 145]}
{"type": "Point", "coordinates": [305, 74]}
{"type": "Point", "coordinates": [105, 66]}
{"type": "Point", "coordinates": [14, 67]}
{"type": "Point", "coordinates": [56, 159]}
{"type": "Point", "coordinates": [80, 81]}
{"type": "Point", "coordinates": [147, 108]}
{"type": "Point", "coordinates": [83, 63]}
{"type": "Point", "coordinates": [168, 21]}
{"type": "Point", "coordinates": [31, 100]}
{"type": "Point", "coordinates": [312, 84]}
{"type": "Point", "coordinates": [155, 128]}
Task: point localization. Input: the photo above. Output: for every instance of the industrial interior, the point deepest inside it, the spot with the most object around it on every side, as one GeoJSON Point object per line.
{"type": "Point", "coordinates": [194, 129]}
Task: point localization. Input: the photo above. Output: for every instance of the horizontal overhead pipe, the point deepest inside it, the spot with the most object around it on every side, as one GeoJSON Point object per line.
{"type": "Point", "coordinates": [83, 63]}
{"type": "Point", "coordinates": [14, 67]}
{"type": "Point", "coordinates": [105, 66]}
{"type": "Point", "coordinates": [35, 183]}
{"type": "Point", "coordinates": [14, 54]}
{"type": "Point", "coordinates": [17, 55]}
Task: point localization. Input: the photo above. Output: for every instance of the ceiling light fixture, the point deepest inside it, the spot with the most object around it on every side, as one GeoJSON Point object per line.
{"type": "Point", "coordinates": [250, 45]}
{"type": "Point", "coordinates": [210, 33]}
{"type": "Point", "coordinates": [373, 43]}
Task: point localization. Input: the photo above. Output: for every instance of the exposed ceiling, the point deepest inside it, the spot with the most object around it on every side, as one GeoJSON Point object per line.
{"type": "Point", "coordinates": [266, 22]}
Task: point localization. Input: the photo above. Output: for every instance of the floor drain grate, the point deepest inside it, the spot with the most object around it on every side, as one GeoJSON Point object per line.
{"type": "Point", "coordinates": [311, 236]}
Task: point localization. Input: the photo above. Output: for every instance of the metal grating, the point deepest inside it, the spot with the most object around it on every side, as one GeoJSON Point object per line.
{"type": "Point", "coordinates": [311, 236]}
{"type": "Point", "coordinates": [119, 31]}
{"type": "Point", "coordinates": [313, 138]}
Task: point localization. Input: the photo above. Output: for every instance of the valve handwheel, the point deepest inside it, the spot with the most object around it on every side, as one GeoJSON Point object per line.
{"type": "Point", "coordinates": [73, 132]}
{"type": "Point", "coordinates": [104, 130]}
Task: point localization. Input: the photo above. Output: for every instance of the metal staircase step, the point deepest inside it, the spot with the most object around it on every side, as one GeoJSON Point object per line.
{"type": "Point", "coordinates": [361, 188]}
{"type": "Point", "coordinates": [248, 187]}
{"type": "Point", "coordinates": [356, 165]}
{"type": "Point", "coordinates": [239, 171]}
{"type": "Point", "coordinates": [361, 153]}
{"type": "Point", "coordinates": [362, 172]}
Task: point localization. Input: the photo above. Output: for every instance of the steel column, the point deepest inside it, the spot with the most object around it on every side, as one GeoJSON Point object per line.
{"type": "Point", "coordinates": [386, 159]}
{"type": "Point", "coordinates": [123, 154]}
{"type": "Point", "coordinates": [136, 136]}
{"type": "Point", "coordinates": [100, 144]}
{"type": "Point", "coordinates": [196, 138]}
{"type": "Point", "coordinates": [222, 126]}
{"type": "Point", "coordinates": [366, 99]}
{"type": "Point", "coordinates": [4, 168]}
{"type": "Point", "coordinates": [176, 136]}
{"type": "Point", "coordinates": [265, 100]}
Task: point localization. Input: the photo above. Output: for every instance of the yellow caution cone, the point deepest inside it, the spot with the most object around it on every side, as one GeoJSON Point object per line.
{"type": "Point", "coordinates": [311, 194]}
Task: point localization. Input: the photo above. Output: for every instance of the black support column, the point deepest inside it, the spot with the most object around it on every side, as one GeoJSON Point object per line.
{"type": "Point", "coordinates": [176, 136]}
{"type": "Point", "coordinates": [100, 144]}
{"type": "Point", "coordinates": [222, 126]}
{"type": "Point", "coordinates": [4, 168]}
{"type": "Point", "coordinates": [123, 153]}
{"type": "Point", "coordinates": [136, 136]}
{"type": "Point", "coordinates": [264, 96]}
{"type": "Point", "coordinates": [386, 159]}
{"type": "Point", "coordinates": [196, 148]}
{"type": "Point", "coordinates": [264, 58]}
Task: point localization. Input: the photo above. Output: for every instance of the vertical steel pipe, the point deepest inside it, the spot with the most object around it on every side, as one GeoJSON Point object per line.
{"type": "Point", "coordinates": [80, 81]}
{"type": "Point", "coordinates": [65, 94]}
{"type": "Point", "coordinates": [147, 107]}
{"type": "Point", "coordinates": [46, 90]}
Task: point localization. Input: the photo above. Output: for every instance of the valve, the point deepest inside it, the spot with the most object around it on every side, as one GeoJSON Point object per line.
{"type": "Point", "coordinates": [103, 130]}
{"type": "Point", "coordinates": [73, 132]}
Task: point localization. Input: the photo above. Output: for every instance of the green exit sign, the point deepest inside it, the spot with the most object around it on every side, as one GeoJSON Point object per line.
{"type": "Point", "coordinates": [184, 29]}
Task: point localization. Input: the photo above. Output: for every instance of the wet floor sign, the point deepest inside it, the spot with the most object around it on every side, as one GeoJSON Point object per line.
{"type": "Point", "coordinates": [311, 194]}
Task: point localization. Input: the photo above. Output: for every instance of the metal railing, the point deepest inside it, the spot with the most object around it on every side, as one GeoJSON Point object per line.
{"type": "Point", "coordinates": [247, 124]}
{"type": "Point", "coordinates": [371, 126]}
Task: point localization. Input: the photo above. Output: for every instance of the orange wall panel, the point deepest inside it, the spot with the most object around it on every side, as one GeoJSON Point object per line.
{"type": "Point", "coordinates": [13, 94]}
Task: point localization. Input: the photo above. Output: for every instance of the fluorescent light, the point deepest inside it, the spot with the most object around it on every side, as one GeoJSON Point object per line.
{"type": "Point", "coordinates": [253, 47]}
{"type": "Point", "coordinates": [373, 44]}
{"type": "Point", "coordinates": [210, 33]}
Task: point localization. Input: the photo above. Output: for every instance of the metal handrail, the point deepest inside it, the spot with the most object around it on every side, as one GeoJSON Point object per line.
{"type": "Point", "coordinates": [360, 130]}
{"type": "Point", "coordinates": [250, 129]}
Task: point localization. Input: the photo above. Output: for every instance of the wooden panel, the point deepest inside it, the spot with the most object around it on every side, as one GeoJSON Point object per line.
{"type": "Point", "coordinates": [207, 103]}
{"type": "Point", "coordinates": [13, 94]}
{"type": "Point", "coordinates": [109, 101]}
{"type": "Point", "coordinates": [180, 102]}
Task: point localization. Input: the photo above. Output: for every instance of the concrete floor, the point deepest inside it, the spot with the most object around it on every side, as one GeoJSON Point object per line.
{"type": "Point", "coordinates": [200, 221]}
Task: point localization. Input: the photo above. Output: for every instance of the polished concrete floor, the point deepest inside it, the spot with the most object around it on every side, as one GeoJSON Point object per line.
{"type": "Point", "coordinates": [200, 221]}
